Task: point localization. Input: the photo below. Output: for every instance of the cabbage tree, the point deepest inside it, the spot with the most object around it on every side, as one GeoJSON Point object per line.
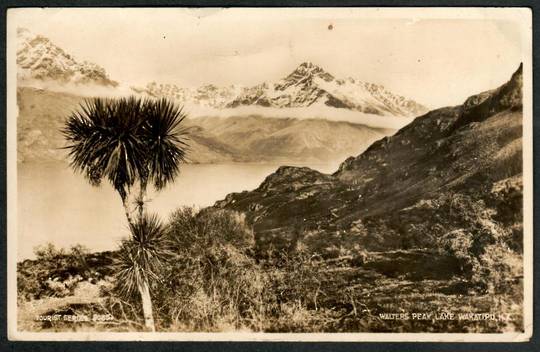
{"type": "Point", "coordinates": [132, 143]}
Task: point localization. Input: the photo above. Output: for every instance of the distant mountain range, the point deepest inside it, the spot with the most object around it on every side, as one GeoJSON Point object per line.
{"type": "Point", "coordinates": [308, 85]}
{"type": "Point", "coordinates": [286, 121]}
{"type": "Point", "coordinates": [39, 60]}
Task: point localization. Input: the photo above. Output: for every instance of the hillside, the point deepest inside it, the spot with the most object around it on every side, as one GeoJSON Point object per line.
{"type": "Point", "coordinates": [427, 220]}
{"type": "Point", "coordinates": [266, 138]}
{"type": "Point", "coordinates": [212, 139]}
{"type": "Point", "coordinates": [450, 181]}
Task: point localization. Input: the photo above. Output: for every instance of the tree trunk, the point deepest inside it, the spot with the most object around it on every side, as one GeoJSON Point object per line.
{"type": "Point", "coordinates": [147, 306]}
{"type": "Point", "coordinates": [127, 210]}
{"type": "Point", "coordinates": [134, 208]}
{"type": "Point", "coordinates": [141, 204]}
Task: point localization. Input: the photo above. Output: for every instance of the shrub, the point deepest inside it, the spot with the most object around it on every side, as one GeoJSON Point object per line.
{"type": "Point", "coordinates": [48, 252]}
{"type": "Point", "coordinates": [484, 245]}
{"type": "Point", "coordinates": [498, 268]}
{"type": "Point", "coordinates": [212, 283]}
{"type": "Point", "coordinates": [458, 244]}
{"type": "Point", "coordinates": [57, 271]}
{"type": "Point", "coordinates": [193, 233]}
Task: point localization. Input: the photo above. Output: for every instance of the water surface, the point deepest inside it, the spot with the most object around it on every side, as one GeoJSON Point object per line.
{"type": "Point", "coordinates": [55, 205]}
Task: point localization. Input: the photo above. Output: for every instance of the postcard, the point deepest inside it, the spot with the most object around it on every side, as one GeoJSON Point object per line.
{"type": "Point", "coordinates": [270, 174]}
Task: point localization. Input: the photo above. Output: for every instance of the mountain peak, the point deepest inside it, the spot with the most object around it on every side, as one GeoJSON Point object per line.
{"type": "Point", "coordinates": [307, 71]}
{"type": "Point", "coordinates": [480, 106]}
{"type": "Point", "coordinates": [518, 74]}
{"type": "Point", "coordinates": [308, 66]}
{"type": "Point", "coordinates": [39, 59]}
{"type": "Point", "coordinates": [24, 33]}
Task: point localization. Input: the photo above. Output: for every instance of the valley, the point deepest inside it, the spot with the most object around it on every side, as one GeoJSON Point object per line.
{"type": "Point", "coordinates": [250, 138]}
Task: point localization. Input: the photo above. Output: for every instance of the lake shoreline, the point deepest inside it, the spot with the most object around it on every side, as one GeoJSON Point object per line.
{"type": "Point", "coordinates": [57, 205]}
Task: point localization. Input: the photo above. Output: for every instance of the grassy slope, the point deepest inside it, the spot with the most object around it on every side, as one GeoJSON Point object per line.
{"type": "Point", "coordinates": [448, 183]}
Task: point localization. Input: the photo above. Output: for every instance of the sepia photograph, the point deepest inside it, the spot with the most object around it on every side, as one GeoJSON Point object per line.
{"type": "Point", "coordinates": [279, 174]}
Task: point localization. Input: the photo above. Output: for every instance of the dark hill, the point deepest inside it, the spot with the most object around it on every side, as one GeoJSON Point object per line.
{"type": "Point", "coordinates": [451, 177]}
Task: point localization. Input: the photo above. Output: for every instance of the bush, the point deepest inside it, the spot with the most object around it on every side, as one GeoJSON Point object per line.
{"type": "Point", "coordinates": [458, 244]}
{"type": "Point", "coordinates": [498, 268]}
{"type": "Point", "coordinates": [48, 252]}
{"type": "Point", "coordinates": [211, 282]}
{"type": "Point", "coordinates": [57, 271]}
{"type": "Point", "coordinates": [484, 245]}
{"type": "Point", "coordinates": [192, 233]}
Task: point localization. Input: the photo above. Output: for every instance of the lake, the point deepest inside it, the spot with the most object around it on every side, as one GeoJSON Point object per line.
{"type": "Point", "coordinates": [55, 205]}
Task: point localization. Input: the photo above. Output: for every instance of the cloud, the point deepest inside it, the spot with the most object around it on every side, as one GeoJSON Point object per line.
{"type": "Point", "coordinates": [84, 90]}
{"type": "Point", "coordinates": [311, 112]}
{"type": "Point", "coordinates": [316, 111]}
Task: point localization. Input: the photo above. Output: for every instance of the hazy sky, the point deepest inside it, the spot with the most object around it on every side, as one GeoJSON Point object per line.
{"type": "Point", "coordinates": [417, 53]}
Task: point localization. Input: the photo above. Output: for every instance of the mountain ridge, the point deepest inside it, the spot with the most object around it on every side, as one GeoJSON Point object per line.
{"type": "Point", "coordinates": [41, 60]}
{"type": "Point", "coordinates": [43, 64]}
{"type": "Point", "coordinates": [308, 85]}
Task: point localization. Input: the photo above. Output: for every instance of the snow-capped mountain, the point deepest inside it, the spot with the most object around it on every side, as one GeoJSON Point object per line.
{"type": "Point", "coordinates": [39, 59]}
{"type": "Point", "coordinates": [307, 85]}
{"type": "Point", "coordinates": [206, 96]}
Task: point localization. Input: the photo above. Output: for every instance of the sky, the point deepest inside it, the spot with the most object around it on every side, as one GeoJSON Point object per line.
{"type": "Point", "coordinates": [438, 57]}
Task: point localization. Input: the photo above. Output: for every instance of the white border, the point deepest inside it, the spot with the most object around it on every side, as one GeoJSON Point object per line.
{"type": "Point", "coordinates": [521, 15]}
{"type": "Point", "coordinates": [11, 173]}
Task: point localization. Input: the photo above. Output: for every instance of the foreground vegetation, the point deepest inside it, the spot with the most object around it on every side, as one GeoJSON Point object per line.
{"type": "Point", "coordinates": [213, 280]}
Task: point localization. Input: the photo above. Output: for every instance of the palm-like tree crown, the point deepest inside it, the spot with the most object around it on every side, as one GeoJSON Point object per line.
{"type": "Point", "coordinates": [125, 140]}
